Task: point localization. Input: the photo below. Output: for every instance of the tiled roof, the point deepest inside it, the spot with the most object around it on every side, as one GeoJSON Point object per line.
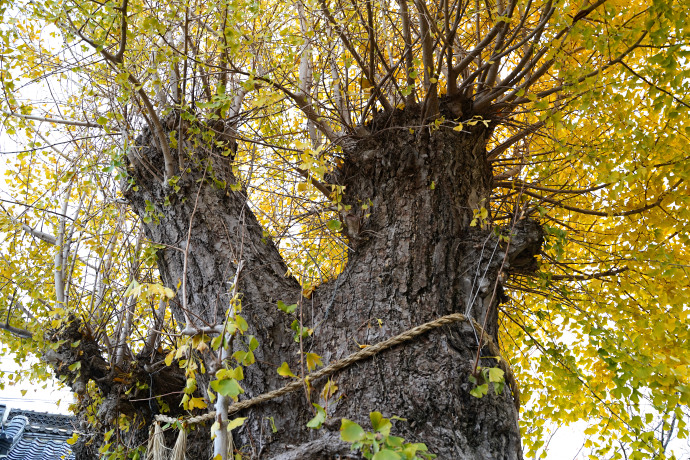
{"type": "Point", "coordinates": [29, 435]}
{"type": "Point", "coordinates": [43, 419]}
{"type": "Point", "coordinates": [13, 429]}
{"type": "Point", "coordinates": [40, 449]}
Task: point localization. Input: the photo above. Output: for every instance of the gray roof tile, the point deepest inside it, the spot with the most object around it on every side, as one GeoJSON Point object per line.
{"type": "Point", "coordinates": [15, 427]}
{"type": "Point", "coordinates": [40, 449]}
{"type": "Point", "coordinates": [30, 435]}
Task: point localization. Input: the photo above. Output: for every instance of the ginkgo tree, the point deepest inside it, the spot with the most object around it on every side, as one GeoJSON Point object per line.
{"type": "Point", "coordinates": [213, 200]}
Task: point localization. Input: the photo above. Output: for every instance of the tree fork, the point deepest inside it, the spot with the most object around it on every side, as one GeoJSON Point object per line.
{"type": "Point", "coordinates": [414, 257]}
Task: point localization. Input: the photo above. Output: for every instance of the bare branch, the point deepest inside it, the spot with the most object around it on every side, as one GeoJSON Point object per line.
{"type": "Point", "coordinates": [223, 438]}
{"type": "Point", "coordinates": [21, 333]}
{"type": "Point", "coordinates": [518, 184]}
{"type": "Point", "coordinates": [119, 57]}
{"type": "Point", "coordinates": [60, 121]}
{"type": "Point", "coordinates": [503, 146]}
{"type": "Point", "coordinates": [139, 88]}
{"type": "Point", "coordinates": [59, 260]}
{"type": "Point", "coordinates": [125, 323]}
{"type": "Point", "coordinates": [305, 70]}
{"type": "Point", "coordinates": [489, 77]}
{"type": "Point", "coordinates": [591, 212]}
{"type": "Point", "coordinates": [644, 79]}
{"type": "Point", "coordinates": [407, 38]}
{"type": "Point", "coordinates": [154, 331]}
{"type": "Point", "coordinates": [517, 73]}
{"type": "Point", "coordinates": [559, 88]}
{"type": "Point", "coordinates": [302, 104]}
{"type": "Point", "coordinates": [157, 127]}
{"type": "Point", "coordinates": [431, 95]}
{"type": "Point", "coordinates": [592, 276]}
{"type": "Point", "coordinates": [467, 60]}
{"type": "Point", "coordinates": [360, 62]}
{"type": "Point", "coordinates": [50, 239]}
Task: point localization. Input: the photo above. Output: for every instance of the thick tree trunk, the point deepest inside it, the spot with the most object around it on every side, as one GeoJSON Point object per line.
{"type": "Point", "coordinates": [414, 257]}
{"type": "Point", "coordinates": [224, 232]}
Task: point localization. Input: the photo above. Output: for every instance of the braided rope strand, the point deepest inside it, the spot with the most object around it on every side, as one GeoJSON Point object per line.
{"type": "Point", "coordinates": [359, 356]}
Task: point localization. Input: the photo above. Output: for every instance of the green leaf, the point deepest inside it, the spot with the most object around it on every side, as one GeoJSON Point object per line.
{"type": "Point", "coordinates": [480, 390]}
{"type": "Point", "coordinates": [241, 323]}
{"type": "Point", "coordinates": [380, 424]}
{"type": "Point", "coordinates": [237, 422]}
{"type": "Point", "coordinates": [334, 225]}
{"type": "Point", "coordinates": [274, 429]}
{"type": "Point", "coordinates": [229, 387]}
{"type": "Point", "coordinates": [287, 308]}
{"type": "Point", "coordinates": [496, 375]}
{"type": "Point", "coordinates": [249, 359]}
{"type": "Point", "coordinates": [239, 356]}
{"type": "Point", "coordinates": [284, 370]}
{"type": "Point", "coordinates": [216, 342]}
{"type": "Point", "coordinates": [394, 441]}
{"type": "Point", "coordinates": [350, 431]}
{"type": "Point", "coordinates": [235, 373]}
{"type": "Point", "coordinates": [386, 454]}
{"type": "Point", "coordinates": [318, 419]}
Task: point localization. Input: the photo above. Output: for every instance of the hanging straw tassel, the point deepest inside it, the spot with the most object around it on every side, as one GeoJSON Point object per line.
{"type": "Point", "coordinates": [149, 447]}
{"type": "Point", "coordinates": [180, 446]}
{"type": "Point", "coordinates": [156, 446]}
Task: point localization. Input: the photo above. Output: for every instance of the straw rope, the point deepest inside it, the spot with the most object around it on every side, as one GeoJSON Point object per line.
{"type": "Point", "coordinates": [359, 356]}
{"type": "Point", "coordinates": [156, 445]}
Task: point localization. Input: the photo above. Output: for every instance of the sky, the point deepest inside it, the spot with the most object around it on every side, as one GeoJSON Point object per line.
{"type": "Point", "coordinates": [36, 397]}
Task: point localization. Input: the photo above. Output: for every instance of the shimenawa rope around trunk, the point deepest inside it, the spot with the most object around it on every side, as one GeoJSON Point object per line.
{"type": "Point", "coordinates": [359, 356]}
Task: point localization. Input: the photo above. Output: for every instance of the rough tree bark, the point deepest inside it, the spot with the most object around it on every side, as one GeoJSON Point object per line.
{"type": "Point", "coordinates": [413, 258]}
